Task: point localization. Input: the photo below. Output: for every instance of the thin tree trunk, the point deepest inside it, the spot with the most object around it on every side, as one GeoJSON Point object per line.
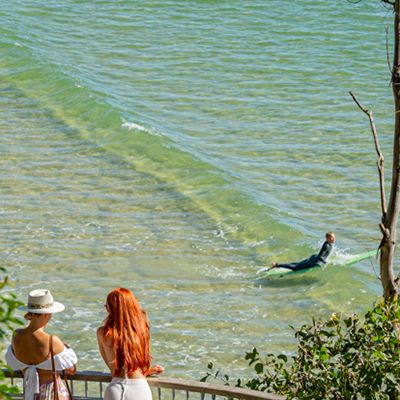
{"type": "Point", "coordinates": [389, 222]}
{"type": "Point", "coordinates": [390, 214]}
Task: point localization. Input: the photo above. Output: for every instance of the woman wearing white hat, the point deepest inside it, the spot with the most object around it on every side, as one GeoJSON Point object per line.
{"type": "Point", "coordinates": [32, 349]}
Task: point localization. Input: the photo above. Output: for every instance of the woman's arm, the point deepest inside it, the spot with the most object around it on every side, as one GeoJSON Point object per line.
{"type": "Point", "coordinates": [105, 349]}
{"type": "Point", "coordinates": [155, 370]}
{"type": "Point", "coordinates": [58, 347]}
{"type": "Point", "coordinates": [100, 342]}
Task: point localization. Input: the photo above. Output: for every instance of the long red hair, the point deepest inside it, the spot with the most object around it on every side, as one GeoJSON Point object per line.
{"type": "Point", "coordinates": [128, 328]}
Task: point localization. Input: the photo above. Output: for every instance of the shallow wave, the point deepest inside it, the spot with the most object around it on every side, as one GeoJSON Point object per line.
{"type": "Point", "coordinates": [241, 217]}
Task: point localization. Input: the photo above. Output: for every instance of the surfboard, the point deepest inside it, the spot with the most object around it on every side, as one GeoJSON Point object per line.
{"type": "Point", "coordinates": [339, 260]}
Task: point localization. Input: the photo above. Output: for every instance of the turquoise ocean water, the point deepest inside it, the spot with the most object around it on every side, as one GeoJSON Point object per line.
{"type": "Point", "coordinates": [177, 148]}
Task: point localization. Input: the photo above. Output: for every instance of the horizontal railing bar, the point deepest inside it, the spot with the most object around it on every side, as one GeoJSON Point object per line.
{"type": "Point", "coordinates": [93, 376]}
{"type": "Point", "coordinates": [177, 384]}
{"type": "Point", "coordinates": [21, 397]}
{"type": "Point", "coordinates": [209, 388]}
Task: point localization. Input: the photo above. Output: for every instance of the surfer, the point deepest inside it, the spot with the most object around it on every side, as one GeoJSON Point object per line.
{"type": "Point", "coordinates": [315, 259]}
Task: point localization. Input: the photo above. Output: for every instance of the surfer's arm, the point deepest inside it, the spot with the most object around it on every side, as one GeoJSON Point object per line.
{"type": "Point", "coordinates": [325, 252]}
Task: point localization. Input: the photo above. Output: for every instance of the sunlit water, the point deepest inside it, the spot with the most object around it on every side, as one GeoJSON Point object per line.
{"type": "Point", "coordinates": [177, 148]}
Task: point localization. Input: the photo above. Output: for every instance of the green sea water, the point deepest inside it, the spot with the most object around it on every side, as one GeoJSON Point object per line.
{"type": "Point", "coordinates": [177, 148]}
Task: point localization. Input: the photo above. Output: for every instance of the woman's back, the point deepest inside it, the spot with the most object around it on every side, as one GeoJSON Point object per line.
{"type": "Point", "coordinates": [106, 345]}
{"type": "Point", "coordinates": [33, 348]}
{"type": "Point", "coordinates": [125, 335]}
{"type": "Point", "coordinates": [124, 343]}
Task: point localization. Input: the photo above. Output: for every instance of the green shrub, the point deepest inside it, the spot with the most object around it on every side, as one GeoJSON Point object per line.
{"type": "Point", "coordinates": [344, 357]}
{"type": "Point", "coordinates": [8, 304]}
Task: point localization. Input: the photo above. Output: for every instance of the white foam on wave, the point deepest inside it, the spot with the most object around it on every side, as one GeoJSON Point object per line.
{"type": "Point", "coordinates": [341, 259]}
{"type": "Point", "coordinates": [229, 272]}
{"type": "Point", "coordinates": [131, 125]}
{"type": "Point", "coordinates": [341, 256]}
{"type": "Point", "coordinates": [134, 126]}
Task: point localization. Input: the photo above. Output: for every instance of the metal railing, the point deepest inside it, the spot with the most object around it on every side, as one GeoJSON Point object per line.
{"type": "Point", "coordinates": [90, 385]}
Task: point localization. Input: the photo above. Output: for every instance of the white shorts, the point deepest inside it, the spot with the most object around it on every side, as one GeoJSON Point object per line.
{"type": "Point", "coordinates": [128, 389]}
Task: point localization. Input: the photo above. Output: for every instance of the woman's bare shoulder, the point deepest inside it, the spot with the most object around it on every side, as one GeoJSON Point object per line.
{"type": "Point", "coordinates": [100, 332]}
{"type": "Point", "coordinates": [17, 335]}
{"type": "Point", "coordinates": [58, 345]}
{"type": "Point", "coordinates": [102, 338]}
{"type": "Point", "coordinates": [18, 332]}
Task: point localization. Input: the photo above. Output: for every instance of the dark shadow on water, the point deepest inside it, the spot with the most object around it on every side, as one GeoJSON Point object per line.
{"type": "Point", "coordinates": [287, 281]}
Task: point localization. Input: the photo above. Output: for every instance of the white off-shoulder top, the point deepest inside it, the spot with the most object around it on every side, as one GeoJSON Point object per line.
{"type": "Point", "coordinates": [64, 360]}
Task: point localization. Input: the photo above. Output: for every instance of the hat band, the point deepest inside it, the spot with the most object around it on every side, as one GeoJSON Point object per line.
{"type": "Point", "coordinates": [39, 306]}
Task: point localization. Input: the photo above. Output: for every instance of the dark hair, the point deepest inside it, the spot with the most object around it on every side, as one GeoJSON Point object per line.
{"type": "Point", "coordinates": [29, 316]}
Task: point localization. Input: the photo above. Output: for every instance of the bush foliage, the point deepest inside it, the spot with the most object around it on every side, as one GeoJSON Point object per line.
{"type": "Point", "coordinates": [344, 357]}
{"type": "Point", "coordinates": [8, 304]}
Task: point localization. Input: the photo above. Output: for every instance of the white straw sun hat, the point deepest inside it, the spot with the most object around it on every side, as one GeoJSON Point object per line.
{"type": "Point", "coordinates": [41, 301]}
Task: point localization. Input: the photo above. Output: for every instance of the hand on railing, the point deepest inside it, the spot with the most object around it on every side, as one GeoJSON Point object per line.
{"type": "Point", "coordinates": [155, 370]}
{"type": "Point", "coordinates": [70, 371]}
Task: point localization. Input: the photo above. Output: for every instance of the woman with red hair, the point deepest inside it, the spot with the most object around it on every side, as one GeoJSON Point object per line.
{"type": "Point", "coordinates": [124, 344]}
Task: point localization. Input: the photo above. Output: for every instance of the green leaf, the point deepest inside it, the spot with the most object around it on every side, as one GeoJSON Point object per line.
{"type": "Point", "coordinates": [283, 357]}
{"type": "Point", "coordinates": [390, 377]}
{"type": "Point", "coordinates": [259, 368]}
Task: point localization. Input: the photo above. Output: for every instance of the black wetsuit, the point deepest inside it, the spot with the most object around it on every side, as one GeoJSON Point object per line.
{"type": "Point", "coordinates": [315, 259]}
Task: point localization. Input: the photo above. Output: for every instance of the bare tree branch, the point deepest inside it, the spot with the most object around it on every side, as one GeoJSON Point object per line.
{"type": "Point", "coordinates": [392, 3]}
{"type": "Point", "coordinates": [380, 161]}
{"type": "Point", "coordinates": [387, 52]}
{"type": "Point", "coordinates": [385, 232]}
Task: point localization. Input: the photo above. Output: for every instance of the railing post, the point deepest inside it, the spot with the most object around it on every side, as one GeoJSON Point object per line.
{"type": "Point", "coordinates": [159, 393]}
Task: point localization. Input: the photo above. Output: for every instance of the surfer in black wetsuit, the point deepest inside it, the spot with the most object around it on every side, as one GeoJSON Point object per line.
{"type": "Point", "coordinates": [315, 259]}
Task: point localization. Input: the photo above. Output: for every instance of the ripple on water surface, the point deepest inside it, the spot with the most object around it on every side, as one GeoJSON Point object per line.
{"type": "Point", "coordinates": [254, 94]}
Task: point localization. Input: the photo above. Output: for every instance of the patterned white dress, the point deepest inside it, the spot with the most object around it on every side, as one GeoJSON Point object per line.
{"type": "Point", "coordinates": [32, 390]}
{"type": "Point", "coordinates": [46, 391]}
